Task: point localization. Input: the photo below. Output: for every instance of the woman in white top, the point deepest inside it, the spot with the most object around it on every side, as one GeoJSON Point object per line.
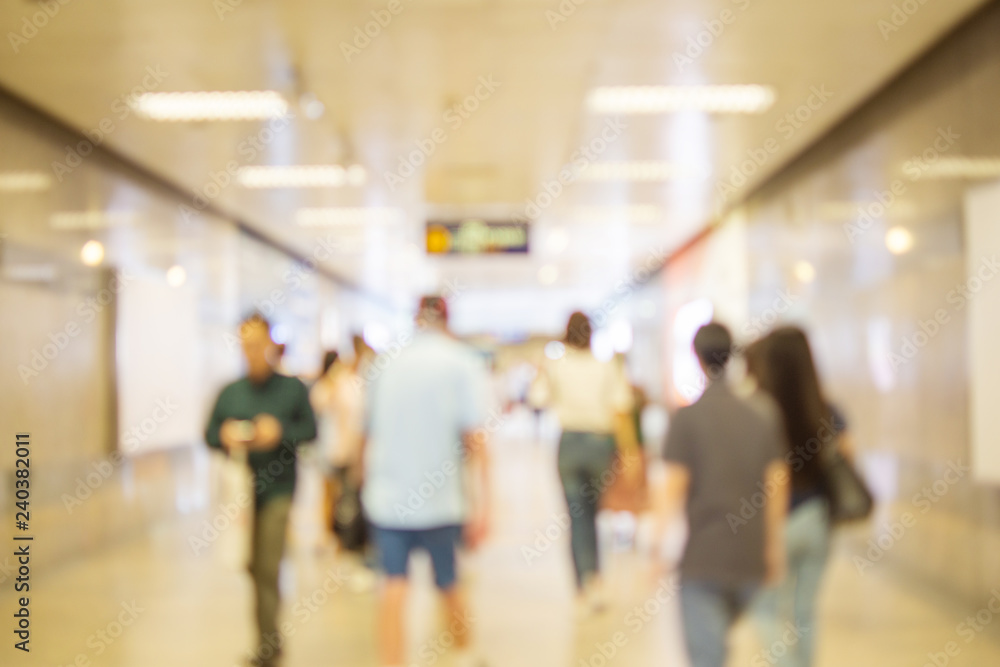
{"type": "Point", "coordinates": [592, 400]}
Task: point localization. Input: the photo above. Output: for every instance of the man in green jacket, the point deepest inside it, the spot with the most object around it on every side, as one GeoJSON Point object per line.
{"type": "Point", "coordinates": [268, 415]}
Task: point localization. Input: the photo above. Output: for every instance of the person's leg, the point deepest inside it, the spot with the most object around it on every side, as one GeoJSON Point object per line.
{"type": "Point", "coordinates": [394, 551]}
{"type": "Point", "coordinates": [814, 540]}
{"type": "Point", "coordinates": [441, 544]}
{"type": "Point", "coordinates": [706, 617]}
{"type": "Point", "coordinates": [597, 455]}
{"type": "Point", "coordinates": [270, 529]}
{"type": "Point", "coordinates": [581, 510]}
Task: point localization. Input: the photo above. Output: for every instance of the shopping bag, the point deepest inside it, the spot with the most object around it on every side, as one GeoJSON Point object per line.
{"type": "Point", "coordinates": [235, 524]}
{"type": "Point", "coordinates": [627, 491]}
{"type": "Point", "coordinates": [850, 499]}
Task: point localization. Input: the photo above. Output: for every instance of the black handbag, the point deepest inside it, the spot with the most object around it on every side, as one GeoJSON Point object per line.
{"type": "Point", "coordinates": [849, 496]}
{"type": "Point", "coordinates": [349, 523]}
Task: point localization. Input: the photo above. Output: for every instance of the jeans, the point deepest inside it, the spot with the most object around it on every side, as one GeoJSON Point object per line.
{"type": "Point", "coordinates": [785, 614]}
{"type": "Point", "coordinates": [708, 610]}
{"type": "Point", "coordinates": [268, 548]}
{"type": "Point", "coordinates": [584, 459]}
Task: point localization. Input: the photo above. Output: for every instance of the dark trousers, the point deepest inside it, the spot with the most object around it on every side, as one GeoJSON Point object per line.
{"type": "Point", "coordinates": [269, 530]}
{"type": "Point", "coordinates": [584, 465]}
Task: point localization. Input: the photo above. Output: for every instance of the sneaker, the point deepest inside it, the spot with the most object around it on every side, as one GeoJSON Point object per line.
{"type": "Point", "coordinates": [593, 593]}
{"type": "Point", "coordinates": [362, 580]}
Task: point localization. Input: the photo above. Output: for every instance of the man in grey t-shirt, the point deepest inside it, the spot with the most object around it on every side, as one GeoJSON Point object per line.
{"type": "Point", "coordinates": [725, 466]}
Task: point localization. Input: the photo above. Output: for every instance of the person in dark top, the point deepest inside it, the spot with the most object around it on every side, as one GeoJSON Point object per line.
{"type": "Point", "coordinates": [266, 415]}
{"type": "Point", "coordinates": [724, 466]}
{"type": "Point", "coordinates": [782, 365]}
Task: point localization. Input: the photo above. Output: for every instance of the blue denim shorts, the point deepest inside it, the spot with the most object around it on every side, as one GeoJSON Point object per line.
{"type": "Point", "coordinates": [394, 547]}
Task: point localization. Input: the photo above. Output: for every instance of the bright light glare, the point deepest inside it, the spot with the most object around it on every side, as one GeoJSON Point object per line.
{"type": "Point", "coordinates": [735, 99]}
{"type": "Point", "coordinates": [621, 336]}
{"type": "Point", "coordinates": [376, 335]}
{"type": "Point", "coordinates": [899, 240]}
{"type": "Point", "coordinates": [92, 253]}
{"type": "Point", "coordinates": [176, 275]}
{"type": "Point", "coordinates": [554, 350]}
{"type": "Point", "coordinates": [217, 105]}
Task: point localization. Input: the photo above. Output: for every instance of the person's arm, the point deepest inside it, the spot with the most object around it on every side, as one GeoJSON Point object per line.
{"type": "Point", "coordinates": [213, 432]}
{"type": "Point", "coordinates": [777, 482]}
{"type": "Point", "coordinates": [677, 485]}
{"type": "Point", "coordinates": [477, 460]}
{"type": "Point", "coordinates": [301, 425]}
{"type": "Point", "coordinates": [221, 432]}
{"type": "Point", "coordinates": [540, 391]}
{"type": "Point", "coordinates": [846, 445]}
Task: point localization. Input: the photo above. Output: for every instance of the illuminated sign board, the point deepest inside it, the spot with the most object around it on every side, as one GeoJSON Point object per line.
{"type": "Point", "coordinates": [475, 236]}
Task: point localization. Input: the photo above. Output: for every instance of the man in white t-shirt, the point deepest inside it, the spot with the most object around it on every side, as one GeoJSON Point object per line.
{"type": "Point", "coordinates": [426, 410]}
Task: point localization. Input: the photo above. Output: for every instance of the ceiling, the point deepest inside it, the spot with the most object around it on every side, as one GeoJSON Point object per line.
{"type": "Point", "coordinates": [381, 99]}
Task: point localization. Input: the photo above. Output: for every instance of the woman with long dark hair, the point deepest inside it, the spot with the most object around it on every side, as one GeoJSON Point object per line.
{"type": "Point", "coordinates": [782, 365]}
{"type": "Point", "coordinates": [592, 400]}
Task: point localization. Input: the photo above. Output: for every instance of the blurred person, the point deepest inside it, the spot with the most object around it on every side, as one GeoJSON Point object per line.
{"type": "Point", "coordinates": [593, 401]}
{"type": "Point", "coordinates": [321, 395]}
{"type": "Point", "coordinates": [425, 413]}
{"type": "Point", "coordinates": [339, 403]}
{"type": "Point", "coordinates": [267, 415]}
{"type": "Point", "coordinates": [721, 451]}
{"type": "Point", "coordinates": [782, 366]}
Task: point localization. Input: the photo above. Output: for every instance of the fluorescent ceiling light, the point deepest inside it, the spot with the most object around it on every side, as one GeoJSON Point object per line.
{"type": "Point", "coordinates": [638, 171]}
{"type": "Point", "coordinates": [30, 273]}
{"type": "Point", "coordinates": [194, 107]}
{"type": "Point", "coordinates": [69, 220]}
{"type": "Point", "coordinates": [24, 181]}
{"type": "Point", "coordinates": [850, 210]}
{"type": "Point", "coordinates": [631, 213]}
{"type": "Point", "coordinates": [305, 176]}
{"type": "Point", "coordinates": [333, 217]}
{"type": "Point", "coordinates": [964, 167]}
{"type": "Point", "coordinates": [664, 99]}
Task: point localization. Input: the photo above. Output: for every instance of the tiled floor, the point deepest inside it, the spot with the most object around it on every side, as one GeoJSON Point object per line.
{"type": "Point", "coordinates": [183, 609]}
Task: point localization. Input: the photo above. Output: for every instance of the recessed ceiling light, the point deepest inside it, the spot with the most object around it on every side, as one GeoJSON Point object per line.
{"type": "Point", "coordinates": [304, 176]}
{"type": "Point", "coordinates": [964, 167]}
{"type": "Point", "coordinates": [664, 99]}
{"type": "Point", "coordinates": [176, 275]}
{"type": "Point", "coordinates": [92, 253]}
{"type": "Point", "coordinates": [332, 217]}
{"type": "Point", "coordinates": [638, 171]}
{"type": "Point", "coordinates": [70, 220]}
{"type": "Point", "coordinates": [24, 181]}
{"type": "Point", "coordinates": [899, 240]}
{"type": "Point", "coordinates": [202, 106]}
{"type": "Point", "coordinates": [805, 272]}
{"type": "Point", "coordinates": [548, 274]}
